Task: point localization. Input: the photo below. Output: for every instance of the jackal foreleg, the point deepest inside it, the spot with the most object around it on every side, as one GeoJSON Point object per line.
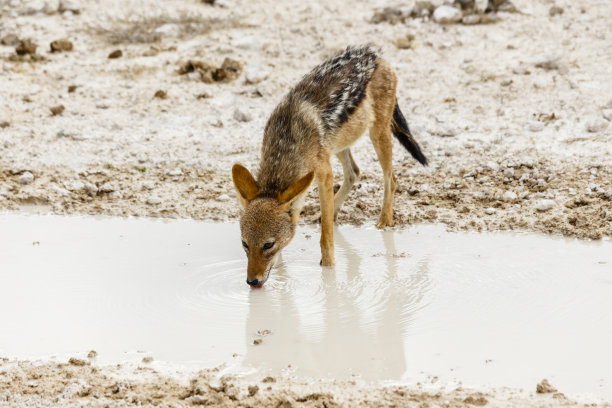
{"type": "Point", "coordinates": [325, 182]}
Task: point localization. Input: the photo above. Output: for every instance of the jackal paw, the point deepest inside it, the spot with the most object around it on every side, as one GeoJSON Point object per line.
{"type": "Point", "coordinates": [327, 261]}
{"type": "Point", "coordinates": [384, 222]}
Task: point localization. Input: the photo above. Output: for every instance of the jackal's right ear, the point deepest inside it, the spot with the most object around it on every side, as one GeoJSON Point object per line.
{"type": "Point", "coordinates": [296, 189]}
{"type": "Point", "coordinates": [245, 184]}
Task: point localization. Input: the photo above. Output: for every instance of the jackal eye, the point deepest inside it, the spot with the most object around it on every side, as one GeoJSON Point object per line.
{"type": "Point", "coordinates": [268, 245]}
{"type": "Point", "coordinates": [245, 246]}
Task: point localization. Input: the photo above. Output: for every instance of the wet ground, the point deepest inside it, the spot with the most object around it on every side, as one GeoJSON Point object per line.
{"type": "Point", "coordinates": [418, 305]}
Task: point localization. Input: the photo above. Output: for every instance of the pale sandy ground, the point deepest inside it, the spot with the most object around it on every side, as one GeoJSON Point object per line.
{"type": "Point", "coordinates": [504, 136]}
{"type": "Point", "coordinates": [78, 384]}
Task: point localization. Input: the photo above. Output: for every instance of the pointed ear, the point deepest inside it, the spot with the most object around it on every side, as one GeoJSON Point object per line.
{"type": "Point", "coordinates": [244, 183]}
{"type": "Point", "coordinates": [296, 189]}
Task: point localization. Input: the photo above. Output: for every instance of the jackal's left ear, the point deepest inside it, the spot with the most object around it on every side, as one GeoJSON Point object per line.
{"type": "Point", "coordinates": [295, 190]}
{"type": "Point", "coordinates": [245, 184]}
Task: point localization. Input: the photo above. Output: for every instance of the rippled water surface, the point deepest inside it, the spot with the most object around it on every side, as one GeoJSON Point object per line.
{"type": "Point", "coordinates": [494, 309]}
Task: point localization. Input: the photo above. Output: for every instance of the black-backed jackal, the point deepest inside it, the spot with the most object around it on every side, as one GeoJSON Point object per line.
{"type": "Point", "coordinates": [322, 116]}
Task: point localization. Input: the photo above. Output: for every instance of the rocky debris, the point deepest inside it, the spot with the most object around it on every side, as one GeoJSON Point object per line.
{"type": "Point", "coordinates": [148, 185]}
{"type": "Point", "coordinates": [222, 197]}
{"type": "Point", "coordinates": [544, 205]}
{"type": "Point", "coordinates": [596, 125]}
{"type": "Point", "coordinates": [405, 42]}
{"type": "Point", "coordinates": [471, 19]}
{"type": "Point", "coordinates": [257, 342]}
{"type": "Point", "coordinates": [422, 9]}
{"type": "Point", "coordinates": [544, 387]}
{"type": "Point", "coordinates": [391, 15]}
{"type": "Point", "coordinates": [63, 44]}
{"type": "Point", "coordinates": [446, 14]}
{"type": "Point", "coordinates": [72, 88]}
{"type": "Point", "coordinates": [73, 6]}
{"type": "Point", "coordinates": [253, 389]}
{"type": "Point", "coordinates": [535, 126]}
{"type": "Point", "coordinates": [106, 188]}
{"type": "Point", "coordinates": [10, 40]}
{"type": "Point", "coordinates": [490, 211]}
{"type": "Point", "coordinates": [77, 362]}
{"type": "Point", "coordinates": [550, 62]}
{"type": "Point", "coordinates": [57, 110]}
{"type": "Point", "coordinates": [4, 124]}
{"type": "Point", "coordinates": [479, 401]}
{"type": "Point", "coordinates": [26, 47]}
{"type": "Point", "coordinates": [115, 54]}
{"type": "Point", "coordinates": [154, 200]}
{"type": "Point", "coordinates": [269, 380]}
{"type": "Point", "coordinates": [92, 354]}
{"type": "Point", "coordinates": [26, 178]}
{"type": "Point", "coordinates": [500, 5]}
{"type": "Point", "coordinates": [174, 172]}
{"type": "Point", "coordinates": [161, 94]}
{"type": "Point", "coordinates": [229, 70]}
{"type": "Point", "coordinates": [147, 359]}
{"type": "Point", "coordinates": [509, 196]}
{"type": "Point", "coordinates": [242, 115]}
{"type": "Point", "coordinates": [254, 74]}
{"type": "Point", "coordinates": [555, 11]}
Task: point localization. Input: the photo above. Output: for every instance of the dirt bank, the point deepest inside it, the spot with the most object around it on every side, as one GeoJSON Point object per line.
{"type": "Point", "coordinates": [77, 384]}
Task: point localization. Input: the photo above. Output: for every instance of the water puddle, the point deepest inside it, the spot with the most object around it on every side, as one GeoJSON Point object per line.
{"type": "Point", "coordinates": [495, 309]}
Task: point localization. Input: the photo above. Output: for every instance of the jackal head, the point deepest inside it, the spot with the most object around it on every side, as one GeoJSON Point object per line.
{"type": "Point", "coordinates": [268, 223]}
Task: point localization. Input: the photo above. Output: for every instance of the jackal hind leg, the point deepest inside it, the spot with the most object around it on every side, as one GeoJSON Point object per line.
{"type": "Point", "coordinates": [380, 134]}
{"type": "Point", "coordinates": [351, 174]}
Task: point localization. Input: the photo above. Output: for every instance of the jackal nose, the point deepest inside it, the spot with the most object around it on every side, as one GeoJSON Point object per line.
{"type": "Point", "coordinates": [253, 282]}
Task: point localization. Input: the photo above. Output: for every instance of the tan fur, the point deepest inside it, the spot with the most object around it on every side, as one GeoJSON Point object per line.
{"type": "Point", "coordinates": [268, 217]}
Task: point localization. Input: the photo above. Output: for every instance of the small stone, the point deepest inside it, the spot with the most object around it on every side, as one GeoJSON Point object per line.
{"type": "Point", "coordinates": [548, 62]}
{"type": "Point", "coordinates": [391, 15]}
{"type": "Point", "coordinates": [106, 188]}
{"type": "Point", "coordinates": [72, 88]}
{"type": "Point", "coordinates": [253, 389]}
{"type": "Point", "coordinates": [77, 361]}
{"type": "Point", "coordinates": [544, 387]}
{"type": "Point", "coordinates": [115, 54]}
{"type": "Point", "coordinates": [10, 40]}
{"type": "Point", "coordinates": [255, 74]}
{"type": "Point", "coordinates": [175, 172]}
{"type": "Point", "coordinates": [269, 380]}
{"type": "Point", "coordinates": [491, 165]}
{"type": "Point", "coordinates": [90, 188]}
{"type": "Point", "coordinates": [147, 359]}
{"type": "Point", "coordinates": [148, 185]}
{"type": "Point", "coordinates": [57, 110]}
{"type": "Point", "coordinates": [405, 43]}
{"type": "Point", "coordinates": [471, 19]}
{"type": "Point", "coordinates": [490, 211]}
{"type": "Point", "coordinates": [25, 47]}
{"type": "Point", "coordinates": [445, 14]}
{"type": "Point", "coordinates": [63, 44]}
{"type": "Point", "coordinates": [257, 342]}
{"type": "Point", "coordinates": [4, 124]}
{"type": "Point", "coordinates": [223, 197]}
{"type": "Point", "coordinates": [422, 9]}
{"type": "Point", "coordinates": [509, 196]}
{"type": "Point", "coordinates": [74, 6]}
{"type": "Point", "coordinates": [509, 172]}
{"type": "Point", "coordinates": [154, 200]}
{"type": "Point", "coordinates": [555, 11]}
{"type": "Point", "coordinates": [242, 115]}
{"type": "Point", "coordinates": [544, 205]}
{"type": "Point", "coordinates": [161, 94]}
{"type": "Point", "coordinates": [535, 126]}
{"type": "Point", "coordinates": [92, 354]}
{"type": "Point", "coordinates": [229, 71]}
{"type": "Point", "coordinates": [607, 114]}
{"type": "Point", "coordinates": [596, 125]}
{"type": "Point", "coordinates": [26, 178]}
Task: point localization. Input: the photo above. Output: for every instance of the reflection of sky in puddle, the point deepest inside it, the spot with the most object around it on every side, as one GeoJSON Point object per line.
{"type": "Point", "coordinates": [484, 309]}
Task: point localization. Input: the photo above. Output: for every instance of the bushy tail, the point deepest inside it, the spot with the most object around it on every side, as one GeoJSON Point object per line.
{"type": "Point", "coordinates": [400, 129]}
